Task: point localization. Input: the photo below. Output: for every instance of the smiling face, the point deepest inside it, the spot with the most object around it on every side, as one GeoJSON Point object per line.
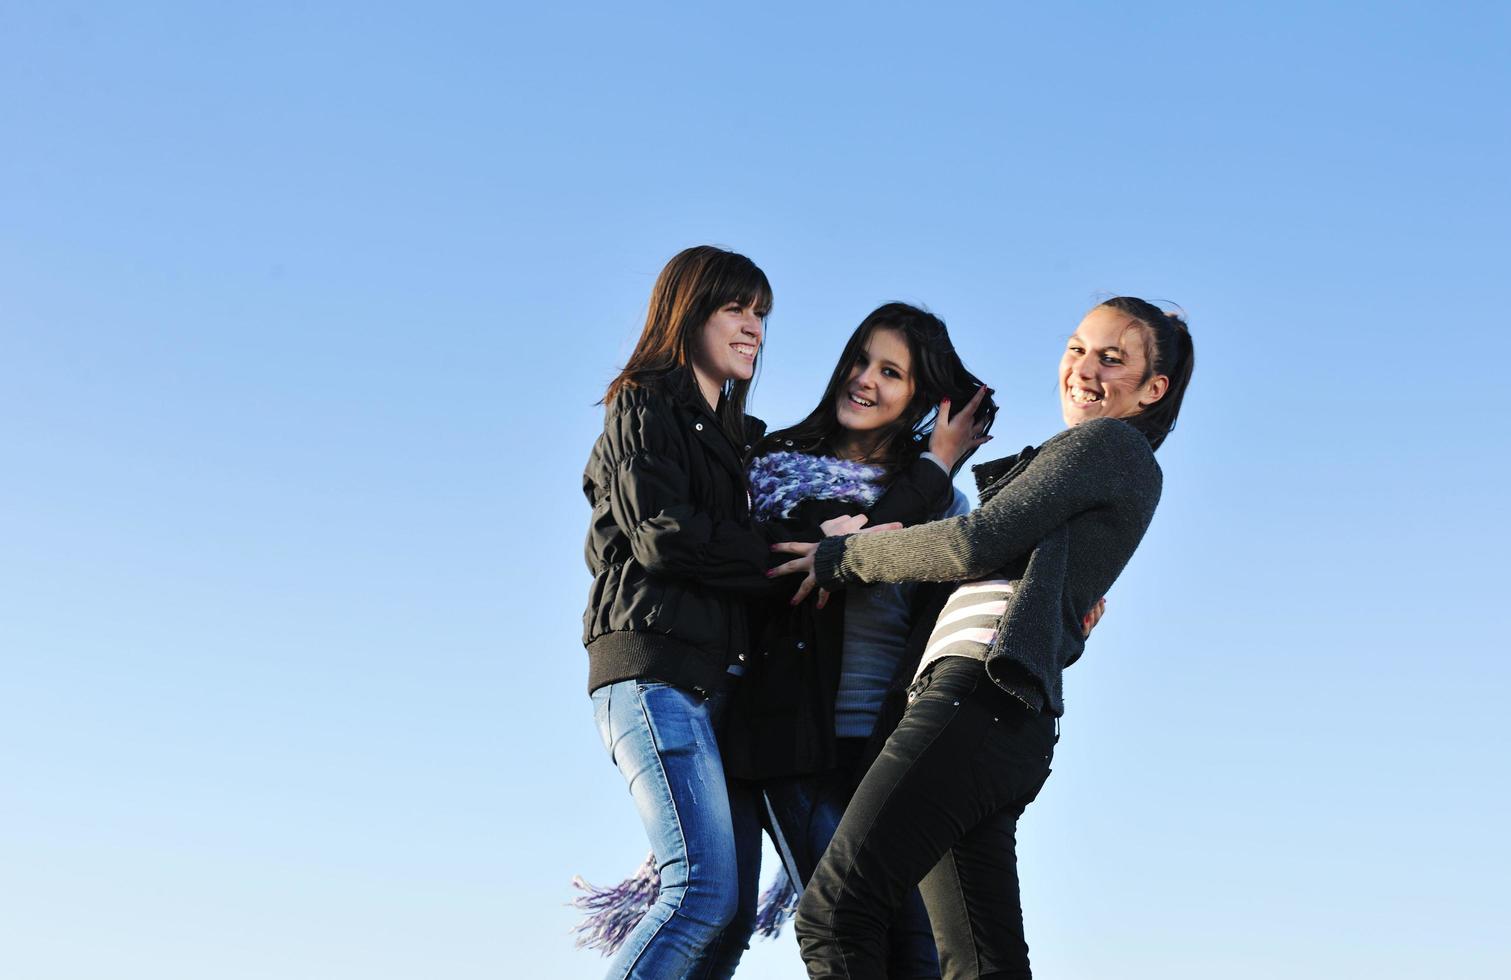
{"type": "Point", "coordinates": [1102, 372]}
{"type": "Point", "coordinates": [725, 349]}
{"type": "Point", "coordinates": [878, 389]}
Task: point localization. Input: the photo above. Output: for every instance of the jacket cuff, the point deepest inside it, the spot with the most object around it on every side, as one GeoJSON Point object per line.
{"type": "Point", "coordinates": [827, 560]}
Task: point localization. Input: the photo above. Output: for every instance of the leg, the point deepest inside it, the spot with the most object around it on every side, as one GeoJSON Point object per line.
{"type": "Point", "coordinates": [745, 819]}
{"type": "Point", "coordinates": [917, 799]}
{"type": "Point", "coordinates": [972, 894]}
{"type": "Point", "coordinates": [662, 740]}
{"type": "Point", "coordinates": [803, 814]}
{"type": "Point", "coordinates": [938, 778]}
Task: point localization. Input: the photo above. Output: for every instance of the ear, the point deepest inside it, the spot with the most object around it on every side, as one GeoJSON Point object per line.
{"type": "Point", "coordinates": [1154, 390]}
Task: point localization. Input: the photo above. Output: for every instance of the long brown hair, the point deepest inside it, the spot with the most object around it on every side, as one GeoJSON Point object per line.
{"type": "Point", "coordinates": [938, 373]}
{"type": "Point", "coordinates": [693, 286]}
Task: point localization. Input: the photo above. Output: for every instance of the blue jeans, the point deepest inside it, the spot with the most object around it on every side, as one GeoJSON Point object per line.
{"type": "Point", "coordinates": [707, 845]}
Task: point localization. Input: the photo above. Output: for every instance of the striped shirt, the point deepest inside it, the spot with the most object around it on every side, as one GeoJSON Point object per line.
{"type": "Point", "coordinates": [967, 625]}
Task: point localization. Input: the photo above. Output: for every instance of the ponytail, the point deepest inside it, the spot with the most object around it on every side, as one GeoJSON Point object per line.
{"type": "Point", "coordinates": [1171, 354]}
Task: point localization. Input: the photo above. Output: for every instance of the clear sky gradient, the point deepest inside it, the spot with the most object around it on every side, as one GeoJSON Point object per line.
{"type": "Point", "coordinates": [304, 309]}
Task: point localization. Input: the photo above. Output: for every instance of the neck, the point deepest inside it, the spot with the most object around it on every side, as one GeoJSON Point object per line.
{"type": "Point", "coordinates": [856, 445]}
{"type": "Point", "coordinates": [709, 387]}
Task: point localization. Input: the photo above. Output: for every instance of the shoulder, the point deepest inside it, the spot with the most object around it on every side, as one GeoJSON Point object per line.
{"type": "Point", "coordinates": [647, 394]}
{"type": "Point", "coordinates": [645, 414]}
{"type": "Point", "coordinates": [1101, 436]}
{"type": "Point", "coordinates": [1111, 445]}
{"type": "Point", "coordinates": [755, 430]}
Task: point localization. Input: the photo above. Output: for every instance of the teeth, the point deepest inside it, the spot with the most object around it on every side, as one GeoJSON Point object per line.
{"type": "Point", "coordinates": [744, 349]}
{"type": "Point", "coordinates": [1083, 397]}
{"type": "Point", "coordinates": [861, 401]}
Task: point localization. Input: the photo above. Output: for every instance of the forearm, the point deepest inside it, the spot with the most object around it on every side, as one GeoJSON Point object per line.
{"type": "Point", "coordinates": [939, 551]}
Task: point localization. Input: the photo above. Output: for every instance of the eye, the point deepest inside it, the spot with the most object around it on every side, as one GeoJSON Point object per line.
{"type": "Point", "coordinates": [1111, 359]}
{"type": "Point", "coordinates": [891, 372]}
{"type": "Point", "coordinates": [1076, 349]}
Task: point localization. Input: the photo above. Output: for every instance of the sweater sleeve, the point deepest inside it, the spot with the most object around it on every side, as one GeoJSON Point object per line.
{"type": "Point", "coordinates": [1086, 467]}
{"type": "Point", "coordinates": [650, 497]}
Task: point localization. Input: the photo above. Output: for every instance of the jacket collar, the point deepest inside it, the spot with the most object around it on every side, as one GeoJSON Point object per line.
{"type": "Point", "coordinates": [683, 387]}
{"type": "Point", "coordinates": [995, 474]}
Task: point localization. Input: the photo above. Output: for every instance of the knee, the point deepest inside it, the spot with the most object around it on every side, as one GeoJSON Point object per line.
{"type": "Point", "coordinates": [827, 916]}
{"type": "Point", "coordinates": [712, 903]}
{"type": "Point", "coordinates": [814, 917]}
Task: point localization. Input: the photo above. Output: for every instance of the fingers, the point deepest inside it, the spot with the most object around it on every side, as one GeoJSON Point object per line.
{"type": "Point", "coordinates": [942, 413]}
{"type": "Point", "coordinates": [843, 524]}
{"type": "Point", "coordinates": [823, 598]}
{"type": "Point", "coordinates": [804, 564]}
{"type": "Point", "coordinates": [1090, 620]}
{"type": "Point", "coordinates": [975, 402]}
{"type": "Point", "coordinates": [892, 526]}
{"type": "Point", "coordinates": [795, 547]}
{"type": "Point", "coordinates": [805, 588]}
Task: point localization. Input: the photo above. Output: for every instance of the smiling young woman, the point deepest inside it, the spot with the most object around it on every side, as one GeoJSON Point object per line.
{"type": "Point", "coordinates": [825, 682]}
{"type": "Point", "coordinates": [674, 558]}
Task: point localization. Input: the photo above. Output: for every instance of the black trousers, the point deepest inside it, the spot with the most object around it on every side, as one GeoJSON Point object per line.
{"type": "Point", "coordinates": [802, 814]}
{"type": "Point", "coordinates": [938, 809]}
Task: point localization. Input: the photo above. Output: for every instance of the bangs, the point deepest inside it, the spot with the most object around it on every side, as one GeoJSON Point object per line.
{"type": "Point", "coordinates": [746, 285]}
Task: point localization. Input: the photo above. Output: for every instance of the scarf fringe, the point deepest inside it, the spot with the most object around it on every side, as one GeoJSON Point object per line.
{"type": "Point", "coordinates": [777, 905]}
{"type": "Point", "coordinates": [613, 913]}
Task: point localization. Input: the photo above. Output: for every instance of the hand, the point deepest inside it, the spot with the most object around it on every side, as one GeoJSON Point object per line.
{"type": "Point", "coordinates": [1090, 620]}
{"type": "Point", "coordinates": [843, 524]}
{"type": "Point", "coordinates": [803, 563]}
{"type": "Point", "coordinates": [805, 550]}
{"type": "Point", "coordinates": [957, 433]}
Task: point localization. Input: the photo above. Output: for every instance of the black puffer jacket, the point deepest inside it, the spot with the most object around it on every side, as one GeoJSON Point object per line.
{"type": "Point", "coordinates": [671, 546]}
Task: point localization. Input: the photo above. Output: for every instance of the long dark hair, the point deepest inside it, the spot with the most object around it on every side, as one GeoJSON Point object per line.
{"type": "Point", "coordinates": [938, 373]}
{"type": "Point", "coordinates": [1170, 354]}
{"type": "Point", "coordinates": [693, 286]}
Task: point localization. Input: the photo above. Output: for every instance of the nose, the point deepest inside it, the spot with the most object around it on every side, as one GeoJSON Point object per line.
{"type": "Point", "coordinates": [1084, 366]}
{"type": "Point", "coordinates": [753, 325]}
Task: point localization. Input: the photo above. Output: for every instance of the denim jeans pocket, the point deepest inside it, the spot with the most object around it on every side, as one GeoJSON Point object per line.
{"type": "Point", "coordinates": [678, 720]}
{"type": "Point", "coordinates": [602, 715]}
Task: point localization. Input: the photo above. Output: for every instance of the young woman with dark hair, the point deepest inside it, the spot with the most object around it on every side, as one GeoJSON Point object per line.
{"type": "Point", "coordinates": [800, 721]}
{"type": "Point", "coordinates": [939, 807]}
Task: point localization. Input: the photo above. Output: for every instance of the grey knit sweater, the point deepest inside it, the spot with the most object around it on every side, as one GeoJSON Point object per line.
{"type": "Point", "coordinates": [1060, 521]}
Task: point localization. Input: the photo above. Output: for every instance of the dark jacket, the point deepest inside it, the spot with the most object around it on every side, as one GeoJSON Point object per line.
{"type": "Point", "coordinates": [1061, 522]}
{"type": "Point", "coordinates": [781, 715]}
{"type": "Point", "coordinates": [673, 553]}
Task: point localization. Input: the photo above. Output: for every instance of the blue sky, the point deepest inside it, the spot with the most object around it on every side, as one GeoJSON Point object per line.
{"type": "Point", "coordinates": [303, 313]}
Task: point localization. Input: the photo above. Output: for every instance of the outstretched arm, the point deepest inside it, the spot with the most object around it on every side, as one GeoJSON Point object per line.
{"type": "Point", "coordinates": [1084, 468]}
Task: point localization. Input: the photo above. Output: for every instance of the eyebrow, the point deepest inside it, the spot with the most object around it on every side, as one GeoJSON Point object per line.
{"type": "Point", "coordinates": [1076, 336]}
